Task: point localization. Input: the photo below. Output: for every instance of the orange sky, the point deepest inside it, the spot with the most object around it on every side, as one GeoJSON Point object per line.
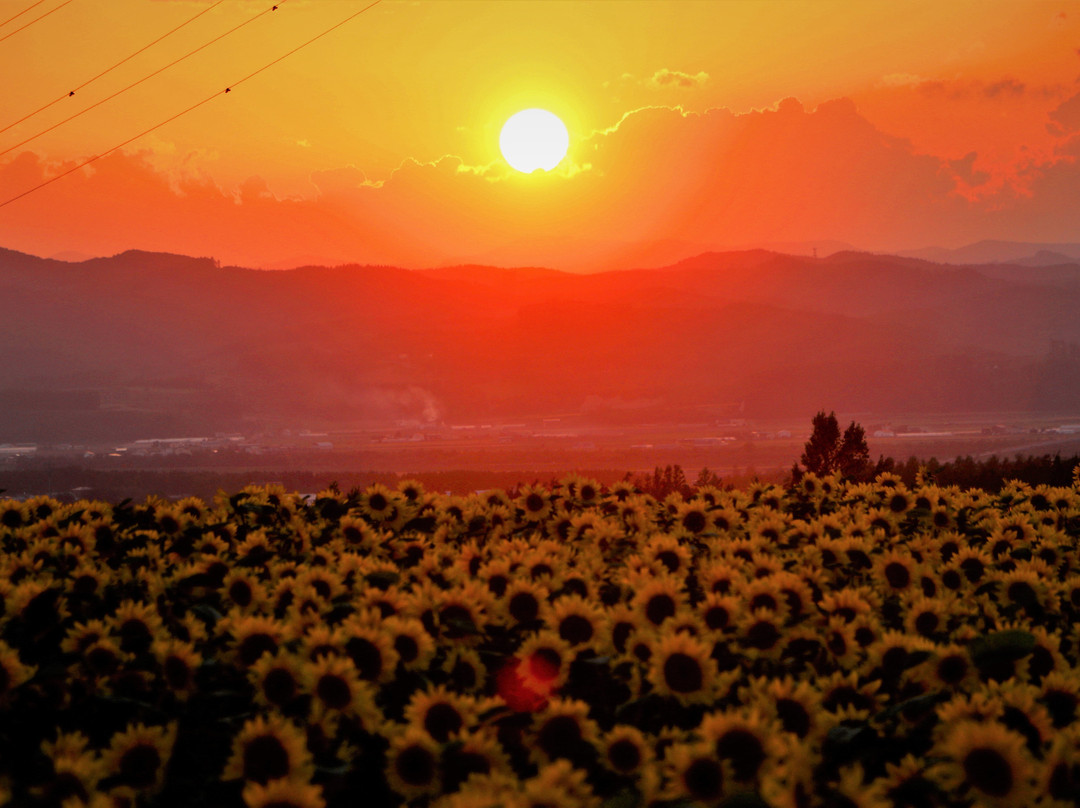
{"type": "Point", "coordinates": [693, 126]}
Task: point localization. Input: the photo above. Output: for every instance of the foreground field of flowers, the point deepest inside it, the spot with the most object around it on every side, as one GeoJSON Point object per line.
{"type": "Point", "coordinates": [832, 644]}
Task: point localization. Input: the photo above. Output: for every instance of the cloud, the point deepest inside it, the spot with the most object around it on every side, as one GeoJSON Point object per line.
{"type": "Point", "coordinates": [676, 78]}
{"type": "Point", "coordinates": [657, 175]}
{"type": "Point", "coordinates": [1007, 85]}
{"type": "Point", "coordinates": [1066, 116]}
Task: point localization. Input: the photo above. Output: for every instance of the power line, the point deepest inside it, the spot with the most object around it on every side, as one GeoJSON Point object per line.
{"type": "Point", "coordinates": [192, 108]}
{"type": "Point", "coordinates": [36, 19]}
{"type": "Point", "coordinates": [72, 92]}
{"type": "Point", "coordinates": [134, 84]}
{"type": "Point", "coordinates": [9, 19]}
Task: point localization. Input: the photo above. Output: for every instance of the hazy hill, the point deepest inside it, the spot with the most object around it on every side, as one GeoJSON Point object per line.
{"type": "Point", "coordinates": [999, 252]}
{"type": "Point", "coordinates": [145, 342]}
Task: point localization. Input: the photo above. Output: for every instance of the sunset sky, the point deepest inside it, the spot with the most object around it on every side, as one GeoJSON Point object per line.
{"type": "Point", "coordinates": [692, 126]}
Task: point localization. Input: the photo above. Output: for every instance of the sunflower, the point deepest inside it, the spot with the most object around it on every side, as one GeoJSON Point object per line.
{"type": "Point", "coordinates": [720, 612]}
{"type": "Point", "coordinates": [987, 761]}
{"type": "Point", "coordinates": [524, 603]}
{"type": "Point", "coordinates": [695, 774]}
{"type": "Point", "coordinates": [895, 571]}
{"type": "Point", "coordinates": [844, 696]}
{"type": "Point", "coordinates": [178, 660]}
{"type": "Point", "coordinates": [13, 672]}
{"type": "Point", "coordinates": [854, 791]}
{"type": "Point", "coordinates": [658, 600]}
{"type": "Point", "coordinates": [243, 589]}
{"type": "Point", "coordinates": [534, 502]}
{"type": "Point", "coordinates": [720, 577]}
{"type": "Point", "coordinates": [927, 617]}
{"type": "Point", "coordinates": [578, 621]}
{"type": "Point", "coordinates": [412, 764]}
{"type": "Point", "coordinates": [1060, 779]}
{"type": "Point", "coordinates": [743, 738]}
{"type": "Point", "coordinates": [950, 668]}
{"type": "Point", "coordinates": [764, 593]}
{"type": "Point", "coordinates": [545, 659]}
{"type": "Point", "coordinates": [13, 514]}
{"type": "Point", "coordinates": [761, 634]}
{"type": "Point", "coordinates": [441, 713]}
{"type": "Point", "coordinates": [269, 748]}
{"type": "Point", "coordinates": [472, 754]}
{"type": "Point", "coordinates": [378, 503]}
{"type": "Point", "coordinates": [839, 640]}
{"type": "Point", "coordinates": [563, 729]}
{"type": "Point", "coordinates": [253, 635]}
{"type": "Point", "coordinates": [460, 613]}
{"type": "Point", "coordinates": [370, 649]}
{"type": "Point", "coordinates": [626, 750]}
{"type": "Point", "coordinates": [414, 646]}
{"type": "Point", "coordinates": [103, 657]}
{"type": "Point", "coordinates": [82, 635]}
{"type": "Point", "coordinates": [277, 679]}
{"type": "Point", "coordinates": [283, 793]}
{"type": "Point", "coordinates": [796, 704]}
{"type": "Point", "coordinates": [973, 564]}
{"type": "Point", "coordinates": [681, 667]}
{"type": "Point", "coordinates": [1061, 696]}
{"type": "Point", "coordinates": [666, 554]}
{"type": "Point", "coordinates": [87, 580]}
{"type": "Point", "coordinates": [465, 669]}
{"type": "Point", "coordinates": [336, 688]}
{"type": "Point", "coordinates": [138, 756]}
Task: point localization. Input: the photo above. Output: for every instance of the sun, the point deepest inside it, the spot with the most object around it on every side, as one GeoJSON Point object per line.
{"type": "Point", "coordinates": [532, 139]}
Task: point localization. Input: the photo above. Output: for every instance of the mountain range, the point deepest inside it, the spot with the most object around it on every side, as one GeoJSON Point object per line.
{"type": "Point", "coordinates": [151, 344]}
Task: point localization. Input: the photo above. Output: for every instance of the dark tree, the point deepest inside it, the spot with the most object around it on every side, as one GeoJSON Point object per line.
{"type": "Point", "coordinates": [828, 451]}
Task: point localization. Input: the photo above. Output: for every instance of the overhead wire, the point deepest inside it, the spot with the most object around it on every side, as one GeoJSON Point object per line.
{"type": "Point", "coordinates": [192, 108]}
{"type": "Point", "coordinates": [108, 70]}
{"type": "Point", "coordinates": [147, 77]}
{"type": "Point", "coordinates": [9, 19]}
{"type": "Point", "coordinates": [36, 19]}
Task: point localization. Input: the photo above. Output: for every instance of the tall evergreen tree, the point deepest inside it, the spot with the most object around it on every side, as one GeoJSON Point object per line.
{"type": "Point", "coordinates": [828, 451]}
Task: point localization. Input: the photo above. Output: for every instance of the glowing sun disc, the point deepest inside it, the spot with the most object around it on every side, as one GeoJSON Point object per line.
{"type": "Point", "coordinates": [532, 139]}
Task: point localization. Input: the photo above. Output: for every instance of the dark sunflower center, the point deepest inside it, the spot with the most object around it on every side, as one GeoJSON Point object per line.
{"type": "Point", "coordinates": [415, 766]}
{"type": "Point", "coordinates": [743, 748]}
{"type": "Point", "coordinates": [694, 521]}
{"type": "Point", "coordinates": [897, 575]}
{"type": "Point", "coordinates": [265, 758]}
{"type": "Point", "coordinates": [524, 607]}
{"type": "Point", "coordinates": [279, 686]}
{"type": "Point", "coordinates": [442, 720]}
{"type": "Point", "coordinates": [406, 647]}
{"type": "Point", "coordinates": [559, 735]}
{"type": "Point", "coordinates": [138, 766]}
{"type": "Point", "coordinates": [135, 636]}
{"type": "Point", "coordinates": [377, 502]}
{"type": "Point", "coordinates": [624, 755]}
{"type": "Point", "coordinates": [952, 669]}
{"type": "Point", "coordinates": [704, 780]}
{"type": "Point", "coordinates": [659, 608]}
{"type": "Point", "coordinates": [254, 646]}
{"type": "Point", "coordinates": [926, 623]}
{"type": "Point", "coordinates": [177, 672]}
{"type": "Point", "coordinates": [575, 629]}
{"type": "Point", "coordinates": [534, 503]}
{"type": "Point", "coordinates": [717, 617]}
{"type": "Point", "coordinates": [793, 716]}
{"type": "Point", "coordinates": [683, 674]}
{"type": "Point", "coordinates": [366, 656]}
{"type": "Point", "coordinates": [762, 635]}
{"type": "Point", "coordinates": [763, 600]}
{"type": "Point", "coordinates": [988, 771]}
{"type": "Point", "coordinates": [544, 663]}
{"type": "Point", "coordinates": [333, 691]}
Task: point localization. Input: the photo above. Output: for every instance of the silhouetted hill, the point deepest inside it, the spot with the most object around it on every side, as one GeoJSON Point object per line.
{"type": "Point", "coordinates": [168, 342]}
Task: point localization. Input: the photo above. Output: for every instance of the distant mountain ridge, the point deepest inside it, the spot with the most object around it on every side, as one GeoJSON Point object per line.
{"type": "Point", "coordinates": [169, 342]}
{"type": "Point", "coordinates": [1001, 252]}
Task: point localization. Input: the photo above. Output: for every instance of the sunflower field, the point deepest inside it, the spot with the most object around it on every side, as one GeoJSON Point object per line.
{"type": "Point", "coordinates": [829, 644]}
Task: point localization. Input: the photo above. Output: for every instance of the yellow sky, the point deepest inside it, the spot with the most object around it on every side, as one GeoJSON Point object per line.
{"type": "Point", "coordinates": [422, 80]}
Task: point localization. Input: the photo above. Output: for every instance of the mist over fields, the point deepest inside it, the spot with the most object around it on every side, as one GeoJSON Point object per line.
{"type": "Point", "coordinates": [146, 344]}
